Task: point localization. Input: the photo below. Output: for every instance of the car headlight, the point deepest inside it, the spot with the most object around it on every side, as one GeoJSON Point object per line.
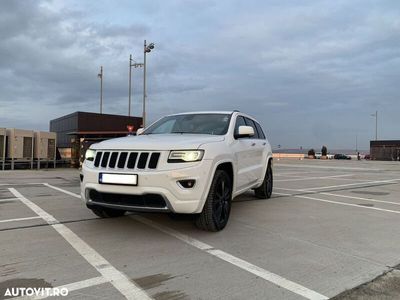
{"type": "Point", "coordinates": [90, 154]}
{"type": "Point", "coordinates": [185, 156]}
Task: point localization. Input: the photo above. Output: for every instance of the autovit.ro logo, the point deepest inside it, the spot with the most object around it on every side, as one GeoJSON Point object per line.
{"type": "Point", "coordinates": [35, 292]}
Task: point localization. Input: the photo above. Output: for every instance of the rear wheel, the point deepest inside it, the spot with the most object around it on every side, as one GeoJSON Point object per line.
{"type": "Point", "coordinates": [105, 212]}
{"type": "Point", "coordinates": [265, 190]}
{"type": "Point", "coordinates": [217, 208]}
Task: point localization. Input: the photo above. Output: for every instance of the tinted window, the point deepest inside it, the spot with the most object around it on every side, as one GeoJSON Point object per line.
{"type": "Point", "coordinates": [260, 131]}
{"type": "Point", "coordinates": [239, 122]}
{"type": "Point", "coordinates": [251, 123]}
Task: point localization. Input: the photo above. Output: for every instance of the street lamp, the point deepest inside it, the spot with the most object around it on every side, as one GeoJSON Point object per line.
{"type": "Point", "coordinates": [147, 49]}
{"type": "Point", "coordinates": [376, 124]}
{"type": "Point", "coordinates": [100, 75]}
{"type": "Point", "coordinates": [132, 63]}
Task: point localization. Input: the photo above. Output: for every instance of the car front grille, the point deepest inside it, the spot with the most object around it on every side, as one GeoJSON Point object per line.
{"type": "Point", "coordinates": [126, 159]}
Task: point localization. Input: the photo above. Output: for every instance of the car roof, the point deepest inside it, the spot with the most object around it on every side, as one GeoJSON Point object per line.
{"type": "Point", "coordinates": [205, 112]}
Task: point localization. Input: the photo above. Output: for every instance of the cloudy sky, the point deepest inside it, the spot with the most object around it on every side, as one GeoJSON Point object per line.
{"type": "Point", "coordinates": [312, 72]}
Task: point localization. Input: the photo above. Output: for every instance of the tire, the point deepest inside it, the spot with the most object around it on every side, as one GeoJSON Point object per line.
{"type": "Point", "coordinates": [265, 190]}
{"type": "Point", "coordinates": [217, 208]}
{"type": "Point", "coordinates": [105, 212]}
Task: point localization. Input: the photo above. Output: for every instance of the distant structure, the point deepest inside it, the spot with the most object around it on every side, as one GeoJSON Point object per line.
{"type": "Point", "coordinates": [25, 148]}
{"type": "Point", "coordinates": [385, 150]}
{"type": "Point", "coordinates": [77, 131]}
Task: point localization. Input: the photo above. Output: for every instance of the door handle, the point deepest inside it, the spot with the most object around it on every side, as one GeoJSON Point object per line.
{"type": "Point", "coordinates": [253, 144]}
{"type": "Point", "coordinates": [264, 143]}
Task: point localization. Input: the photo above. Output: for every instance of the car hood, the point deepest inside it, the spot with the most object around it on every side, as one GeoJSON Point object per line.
{"type": "Point", "coordinates": [158, 142]}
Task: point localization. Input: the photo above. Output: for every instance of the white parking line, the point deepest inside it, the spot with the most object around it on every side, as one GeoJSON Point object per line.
{"type": "Point", "coordinates": [340, 203]}
{"type": "Point", "coordinates": [119, 280]}
{"type": "Point", "coordinates": [8, 199]}
{"type": "Point", "coordinates": [360, 198]}
{"type": "Point", "coordinates": [18, 219]}
{"type": "Point", "coordinates": [62, 190]}
{"type": "Point", "coordinates": [71, 287]}
{"type": "Point", "coordinates": [376, 182]}
{"type": "Point", "coordinates": [25, 183]}
{"type": "Point", "coordinates": [271, 277]}
{"type": "Point", "coordinates": [242, 264]}
{"type": "Point", "coordinates": [313, 178]}
{"type": "Point", "coordinates": [340, 196]}
{"type": "Point", "coordinates": [325, 167]}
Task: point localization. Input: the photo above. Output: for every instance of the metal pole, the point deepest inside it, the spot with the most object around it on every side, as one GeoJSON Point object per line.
{"type": "Point", "coordinates": [130, 84]}
{"type": "Point", "coordinates": [4, 150]}
{"type": "Point", "coordinates": [356, 142]}
{"type": "Point", "coordinates": [101, 89]}
{"type": "Point", "coordinates": [144, 86]}
{"type": "Point", "coordinates": [376, 125]}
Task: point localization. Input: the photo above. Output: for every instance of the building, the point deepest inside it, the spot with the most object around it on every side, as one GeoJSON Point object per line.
{"type": "Point", "coordinates": [385, 150]}
{"type": "Point", "coordinates": [77, 131]}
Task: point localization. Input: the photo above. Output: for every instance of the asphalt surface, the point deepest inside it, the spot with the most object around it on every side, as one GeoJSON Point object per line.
{"type": "Point", "coordinates": [330, 229]}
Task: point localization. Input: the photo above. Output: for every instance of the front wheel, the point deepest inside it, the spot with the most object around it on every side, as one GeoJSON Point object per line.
{"type": "Point", "coordinates": [265, 190]}
{"type": "Point", "coordinates": [217, 208]}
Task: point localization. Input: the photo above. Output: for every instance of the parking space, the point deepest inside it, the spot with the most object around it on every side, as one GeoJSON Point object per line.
{"type": "Point", "coordinates": [329, 227]}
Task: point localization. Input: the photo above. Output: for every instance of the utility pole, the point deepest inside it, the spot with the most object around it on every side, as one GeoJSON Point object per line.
{"type": "Point", "coordinates": [376, 124]}
{"type": "Point", "coordinates": [132, 63]}
{"type": "Point", "coordinates": [147, 49]}
{"type": "Point", "coordinates": [356, 143]}
{"type": "Point", "coordinates": [100, 75]}
{"type": "Point", "coordinates": [130, 84]}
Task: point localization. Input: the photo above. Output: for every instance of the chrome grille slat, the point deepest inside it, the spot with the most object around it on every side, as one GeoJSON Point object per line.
{"type": "Point", "coordinates": [122, 160]}
{"type": "Point", "coordinates": [119, 160]}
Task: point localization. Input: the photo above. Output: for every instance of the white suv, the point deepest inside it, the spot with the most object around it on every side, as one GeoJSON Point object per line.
{"type": "Point", "coordinates": [191, 163]}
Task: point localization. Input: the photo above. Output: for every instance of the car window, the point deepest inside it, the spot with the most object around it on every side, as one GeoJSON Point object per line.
{"type": "Point", "coordinates": [250, 122]}
{"type": "Point", "coordinates": [260, 131]}
{"type": "Point", "coordinates": [239, 122]}
{"type": "Point", "coordinates": [215, 124]}
{"type": "Point", "coordinates": [165, 127]}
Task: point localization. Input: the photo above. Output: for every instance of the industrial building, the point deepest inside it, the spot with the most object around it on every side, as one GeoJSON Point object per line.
{"type": "Point", "coordinates": [385, 150]}
{"type": "Point", "coordinates": [26, 148]}
{"type": "Point", "coordinates": [77, 131]}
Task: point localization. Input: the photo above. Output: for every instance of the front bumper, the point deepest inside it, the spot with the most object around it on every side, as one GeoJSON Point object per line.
{"type": "Point", "coordinates": [152, 182]}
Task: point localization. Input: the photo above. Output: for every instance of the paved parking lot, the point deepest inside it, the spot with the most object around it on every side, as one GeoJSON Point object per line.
{"type": "Point", "coordinates": [329, 227]}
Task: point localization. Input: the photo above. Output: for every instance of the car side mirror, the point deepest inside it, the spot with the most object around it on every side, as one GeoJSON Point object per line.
{"type": "Point", "coordinates": [139, 131]}
{"type": "Point", "coordinates": [244, 131]}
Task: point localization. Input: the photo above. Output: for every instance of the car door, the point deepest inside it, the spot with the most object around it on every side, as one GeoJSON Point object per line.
{"type": "Point", "coordinates": [257, 152]}
{"type": "Point", "coordinates": [243, 152]}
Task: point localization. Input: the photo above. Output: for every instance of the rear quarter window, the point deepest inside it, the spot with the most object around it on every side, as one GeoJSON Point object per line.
{"type": "Point", "coordinates": [260, 131]}
{"type": "Point", "coordinates": [251, 123]}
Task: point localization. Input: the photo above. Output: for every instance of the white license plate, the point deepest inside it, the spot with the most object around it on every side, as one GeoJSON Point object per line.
{"type": "Point", "coordinates": [124, 179]}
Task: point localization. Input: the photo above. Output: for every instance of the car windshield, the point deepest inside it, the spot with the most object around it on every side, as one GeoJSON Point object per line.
{"type": "Point", "coordinates": [215, 124]}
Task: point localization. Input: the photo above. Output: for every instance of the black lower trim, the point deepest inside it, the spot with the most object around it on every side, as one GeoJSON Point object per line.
{"type": "Point", "coordinates": [129, 202]}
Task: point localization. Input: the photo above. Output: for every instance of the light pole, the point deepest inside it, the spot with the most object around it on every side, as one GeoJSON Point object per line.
{"type": "Point", "coordinates": [100, 75]}
{"type": "Point", "coordinates": [376, 124]}
{"type": "Point", "coordinates": [147, 49]}
{"type": "Point", "coordinates": [132, 63]}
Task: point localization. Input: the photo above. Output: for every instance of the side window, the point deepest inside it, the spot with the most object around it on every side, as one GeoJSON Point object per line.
{"type": "Point", "coordinates": [260, 131]}
{"type": "Point", "coordinates": [250, 122]}
{"type": "Point", "coordinates": [239, 122]}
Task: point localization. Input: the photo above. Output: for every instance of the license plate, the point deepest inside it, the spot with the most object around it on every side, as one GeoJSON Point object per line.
{"type": "Point", "coordinates": [123, 179]}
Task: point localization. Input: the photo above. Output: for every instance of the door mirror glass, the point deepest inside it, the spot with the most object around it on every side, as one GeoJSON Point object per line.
{"type": "Point", "coordinates": [245, 131]}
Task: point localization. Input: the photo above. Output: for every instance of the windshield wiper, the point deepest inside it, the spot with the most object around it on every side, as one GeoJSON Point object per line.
{"type": "Point", "coordinates": [181, 132]}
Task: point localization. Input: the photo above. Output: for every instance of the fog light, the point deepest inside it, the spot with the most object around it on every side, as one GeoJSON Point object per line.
{"type": "Point", "coordinates": [187, 183]}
